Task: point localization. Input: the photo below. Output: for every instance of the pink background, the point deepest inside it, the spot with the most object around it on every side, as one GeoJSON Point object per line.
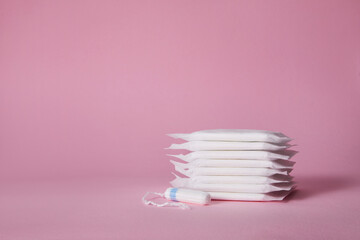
{"type": "Point", "coordinates": [88, 90]}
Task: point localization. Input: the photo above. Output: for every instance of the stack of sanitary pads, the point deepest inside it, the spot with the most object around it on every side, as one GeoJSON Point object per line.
{"type": "Point", "coordinates": [247, 165]}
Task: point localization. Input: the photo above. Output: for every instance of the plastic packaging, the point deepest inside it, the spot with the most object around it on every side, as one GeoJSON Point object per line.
{"type": "Point", "coordinates": [207, 171]}
{"type": "Point", "coordinates": [245, 155]}
{"type": "Point", "coordinates": [275, 164]}
{"type": "Point", "coordinates": [277, 178]}
{"type": "Point", "coordinates": [235, 146]}
{"type": "Point", "coordinates": [242, 188]}
{"type": "Point", "coordinates": [273, 196]}
{"type": "Point", "coordinates": [242, 135]}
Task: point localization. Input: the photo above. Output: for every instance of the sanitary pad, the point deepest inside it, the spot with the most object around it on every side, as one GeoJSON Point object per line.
{"type": "Point", "coordinates": [231, 163]}
{"type": "Point", "coordinates": [277, 178]}
{"type": "Point", "coordinates": [205, 171]}
{"type": "Point", "coordinates": [272, 196]}
{"type": "Point", "coordinates": [234, 187]}
{"type": "Point", "coordinates": [237, 135]}
{"type": "Point", "coordinates": [246, 155]}
{"type": "Point", "coordinates": [235, 146]}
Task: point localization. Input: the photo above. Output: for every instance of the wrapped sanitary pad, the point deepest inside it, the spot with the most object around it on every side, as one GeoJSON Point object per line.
{"type": "Point", "coordinates": [231, 163]}
{"type": "Point", "coordinates": [206, 171]}
{"type": "Point", "coordinates": [235, 146]}
{"type": "Point", "coordinates": [272, 196]}
{"type": "Point", "coordinates": [237, 135]}
{"type": "Point", "coordinates": [277, 178]}
{"type": "Point", "coordinates": [235, 187]}
{"type": "Point", "coordinates": [246, 155]}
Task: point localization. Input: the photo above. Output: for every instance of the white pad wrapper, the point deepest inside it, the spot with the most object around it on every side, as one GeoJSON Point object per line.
{"type": "Point", "coordinates": [237, 135]}
{"type": "Point", "coordinates": [275, 164]}
{"type": "Point", "coordinates": [206, 171]}
{"type": "Point", "coordinates": [238, 179]}
{"type": "Point", "coordinates": [245, 155]}
{"type": "Point", "coordinates": [234, 146]}
{"type": "Point", "coordinates": [242, 188]}
{"type": "Point", "coordinates": [273, 196]}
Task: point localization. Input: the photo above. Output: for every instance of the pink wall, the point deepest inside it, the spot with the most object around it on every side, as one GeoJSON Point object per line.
{"type": "Point", "coordinates": [89, 88]}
